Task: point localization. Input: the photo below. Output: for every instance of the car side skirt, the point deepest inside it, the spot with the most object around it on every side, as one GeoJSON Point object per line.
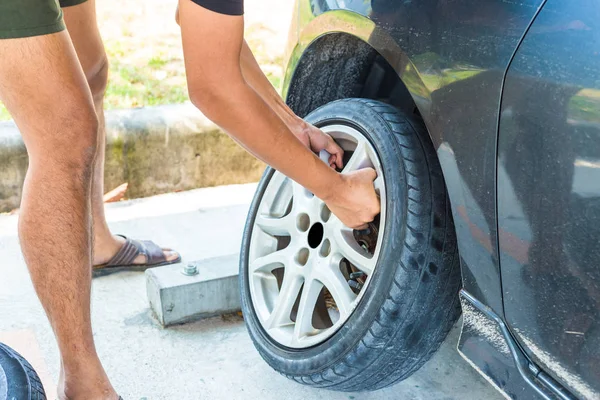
{"type": "Point", "coordinates": [487, 344]}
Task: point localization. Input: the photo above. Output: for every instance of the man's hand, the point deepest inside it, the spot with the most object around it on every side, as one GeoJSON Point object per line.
{"type": "Point", "coordinates": [317, 140]}
{"type": "Point", "coordinates": [355, 202]}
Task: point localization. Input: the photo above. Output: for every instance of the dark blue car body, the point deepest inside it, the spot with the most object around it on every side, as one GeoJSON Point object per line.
{"type": "Point", "coordinates": [510, 93]}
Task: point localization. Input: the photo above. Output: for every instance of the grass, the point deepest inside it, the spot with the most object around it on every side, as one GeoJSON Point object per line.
{"type": "Point", "coordinates": [146, 65]}
{"type": "Point", "coordinates": [149, 85]}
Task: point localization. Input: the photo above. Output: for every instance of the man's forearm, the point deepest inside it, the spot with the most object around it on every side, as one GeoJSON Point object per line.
{"type": "Point", "coordinates": [261, 131]}
{"type": "Point", "coordinates": [256, 78]}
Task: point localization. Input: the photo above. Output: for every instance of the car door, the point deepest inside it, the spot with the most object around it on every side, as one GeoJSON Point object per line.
{"type": "Point", "coordinates": [549, 194]}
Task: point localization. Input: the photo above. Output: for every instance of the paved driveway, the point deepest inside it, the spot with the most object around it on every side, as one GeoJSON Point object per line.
{"type": "Point", "coordinates": [210, 359]}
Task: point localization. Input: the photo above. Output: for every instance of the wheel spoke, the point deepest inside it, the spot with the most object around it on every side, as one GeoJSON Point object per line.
{"type": "Point", "coordinates": [337, 285]}
{"type": "Point", "coordinates": [285, 302]}
{"type": "Point", "coordinates": [306, 308]}
{"type": "Point", "coordinates": [278, 180]}
{"type": "Point", "coordinates": [360, 158]}
{"type": "Point", "coordinates": [271, 261]}
{"type": "Point", "coordinates": [275, 226]}
{"type": "Point", "coordinates": [347, 247]}
{"type": "Point", "coordinates": [301, 194]}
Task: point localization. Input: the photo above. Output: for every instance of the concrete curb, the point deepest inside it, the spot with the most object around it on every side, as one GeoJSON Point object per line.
{"type": "Point", "coordinates": [176, 298]}
{"type": "Point", "coordinates": [155, 149]}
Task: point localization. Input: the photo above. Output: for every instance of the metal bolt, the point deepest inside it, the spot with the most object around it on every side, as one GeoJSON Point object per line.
{"type": "Point", "coordinates": [190, 270]}
{"type": "Point", "coordinates": [358, 274]}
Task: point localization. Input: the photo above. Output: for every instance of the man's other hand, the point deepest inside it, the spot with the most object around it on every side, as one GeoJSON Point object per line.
{"type": "Point", "coordinates": [317, 140]}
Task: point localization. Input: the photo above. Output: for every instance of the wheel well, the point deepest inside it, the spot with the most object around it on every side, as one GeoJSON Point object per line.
{"type": "Point", "coordinates": [338, 66]}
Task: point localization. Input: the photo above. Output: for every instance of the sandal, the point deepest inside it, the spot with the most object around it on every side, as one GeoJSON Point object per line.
{"type": "Point", "coordinates": [131, 249]}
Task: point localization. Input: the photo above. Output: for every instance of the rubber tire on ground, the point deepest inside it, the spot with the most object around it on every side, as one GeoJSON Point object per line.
{"type": "Point", "coordinates": [18, 379]}
{"type": "Point", "coordinates": [412, 301]}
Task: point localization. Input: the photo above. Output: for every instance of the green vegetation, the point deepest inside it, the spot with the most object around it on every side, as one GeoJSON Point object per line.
{"type": "Point", "coordinates": [153, 84]}
{"type": "Point", "coordinates": [154, 74]}
{"type": "Point", "coordinates": [4, 115]}
{"type": "Point", "coordinates": [585, 106]}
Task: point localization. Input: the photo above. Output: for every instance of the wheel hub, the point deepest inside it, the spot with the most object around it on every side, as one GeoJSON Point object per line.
{"type": "Point", "coordinates": [315, 235]}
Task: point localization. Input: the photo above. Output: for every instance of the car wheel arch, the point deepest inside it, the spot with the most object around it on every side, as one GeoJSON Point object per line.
{"type": "Point", "coordinates": [340, 65]}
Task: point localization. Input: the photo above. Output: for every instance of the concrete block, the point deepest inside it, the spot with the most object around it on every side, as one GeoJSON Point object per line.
{"type": "Point", "coordinates": [176, 298]}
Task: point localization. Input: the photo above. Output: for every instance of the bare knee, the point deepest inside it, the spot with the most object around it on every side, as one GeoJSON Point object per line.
{"type": "Point", "coordinates": [97, 77]}
{"type": "Point", "coordinates": [84, 136]}
{"type": "Point", "coordinates": [71, 141]}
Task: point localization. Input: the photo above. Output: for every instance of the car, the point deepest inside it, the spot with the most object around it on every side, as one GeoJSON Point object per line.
{"type": "Point", "coordinates": [482, 120]}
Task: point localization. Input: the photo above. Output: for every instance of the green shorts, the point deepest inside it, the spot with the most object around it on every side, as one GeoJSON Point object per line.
{"type": "Point", "coordinates": [24, 18]}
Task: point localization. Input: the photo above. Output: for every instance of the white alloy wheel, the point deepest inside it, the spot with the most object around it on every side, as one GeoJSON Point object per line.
{"type": "Point", "coordinates": [307, 271]}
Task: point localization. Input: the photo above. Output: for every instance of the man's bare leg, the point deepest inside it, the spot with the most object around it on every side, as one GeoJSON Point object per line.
{"type": "Point", "coordinates": [44, 88]}
{"type": "Point", "coordinates": [83, 29]}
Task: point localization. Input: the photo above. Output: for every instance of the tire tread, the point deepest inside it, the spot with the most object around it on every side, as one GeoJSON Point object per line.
{"type": "Point", "coordinates": [377, 361]}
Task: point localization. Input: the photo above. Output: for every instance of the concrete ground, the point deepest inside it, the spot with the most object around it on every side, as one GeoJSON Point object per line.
{"type": "Point", "coordinates": [209, 359]}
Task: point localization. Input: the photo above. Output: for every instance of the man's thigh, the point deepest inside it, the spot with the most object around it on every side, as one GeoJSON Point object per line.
{"type": "Point", "coordinates": [42, 85]}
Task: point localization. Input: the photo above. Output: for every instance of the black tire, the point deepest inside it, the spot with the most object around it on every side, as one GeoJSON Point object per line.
{"type": "Point", "coordinates": [412, 300]}
{"type": "Point", "coordinates": [18, 379]}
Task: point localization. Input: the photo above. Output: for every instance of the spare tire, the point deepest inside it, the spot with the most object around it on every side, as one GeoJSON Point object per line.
{"type": "Point", "coordinates": [18, 379]}
{"type": "Point", "coordinates": [346, 310]}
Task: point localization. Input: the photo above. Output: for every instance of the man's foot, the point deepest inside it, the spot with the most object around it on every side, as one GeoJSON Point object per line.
{"type": "Point", "coordinates": [93, 386]}
{"type": "Point", "coordinates": [107, 252]}
{"type": "Point", "coordinates": [87, 395]}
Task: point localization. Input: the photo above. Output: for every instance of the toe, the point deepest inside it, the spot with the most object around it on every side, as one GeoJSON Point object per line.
{"type": "Point", "coordinates": [170, 255]}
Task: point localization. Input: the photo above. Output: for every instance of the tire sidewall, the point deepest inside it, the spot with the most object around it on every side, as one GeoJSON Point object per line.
{"type": "Point", "coordinates": [3, 384]}
{"type": "Point", "coordinates": [313, 359]}
{"type": "Point", "coordinates": [18, 385]}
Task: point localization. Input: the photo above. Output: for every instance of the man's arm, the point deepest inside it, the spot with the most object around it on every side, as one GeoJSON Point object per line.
{"type": "Point", "coordinates": [212, 45]}
{"type": "Point", "coordinates": [309, 135]}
